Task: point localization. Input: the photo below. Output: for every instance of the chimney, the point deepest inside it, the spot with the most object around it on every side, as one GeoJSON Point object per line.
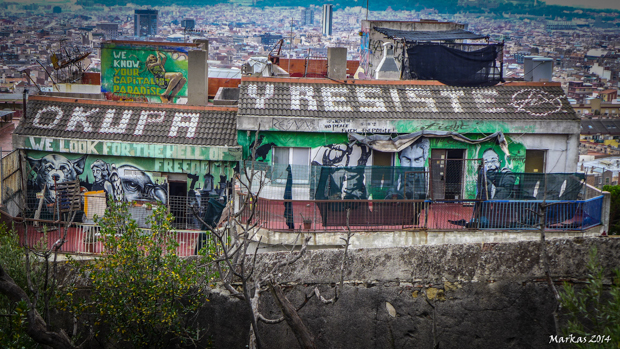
{"type": "Point", "coordinates": [337, 63]}
{"type": "Point", "coordinates": [198, 74]}
{"type": "Point", "coordinates": [387, 68]}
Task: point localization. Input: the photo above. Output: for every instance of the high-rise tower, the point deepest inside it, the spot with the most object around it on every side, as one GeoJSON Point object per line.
{"type": "Point", "coordinates": [145, 22]}
{"type": "Point", "coordinates": [326, 22]}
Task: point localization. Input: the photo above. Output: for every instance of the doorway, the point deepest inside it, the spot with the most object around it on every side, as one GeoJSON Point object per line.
{"type": "Point", "coordinates": [177, 198]}
{"type": "Point", "coordinates": [447, 171]}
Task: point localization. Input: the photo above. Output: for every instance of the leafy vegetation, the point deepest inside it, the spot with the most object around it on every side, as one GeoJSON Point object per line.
{"type": "Point", "coordinates": [614, 212]}
{"type": "Point", "coordinates": [142, 293]}
{"type": "Point", "coordinates": [13, 316]}
{"type": "Point", "coordinates": [593, 315]}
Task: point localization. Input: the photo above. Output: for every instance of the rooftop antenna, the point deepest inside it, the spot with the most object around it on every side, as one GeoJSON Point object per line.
{"type": "Point", "coordinates": [290, 48]}
{"type": "Point", "coordinates": [367, 9]}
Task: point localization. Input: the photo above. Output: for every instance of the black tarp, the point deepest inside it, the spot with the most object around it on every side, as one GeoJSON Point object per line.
{"type": "Point", "coordinates": [452, 66]}
{"type": "Point", "coordinates": [288, 195]}
{"type": "Point", "coordinates": [211, 217]}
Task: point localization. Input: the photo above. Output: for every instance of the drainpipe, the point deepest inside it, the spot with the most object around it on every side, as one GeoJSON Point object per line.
{"type": "Point", "coordinates": [24, 100]}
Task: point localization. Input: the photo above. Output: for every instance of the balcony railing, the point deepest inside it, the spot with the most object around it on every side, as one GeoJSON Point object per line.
{"type": "Point", "coordinates": [389, 215]}
{"type": "Point", "coordinates": [44, 228]}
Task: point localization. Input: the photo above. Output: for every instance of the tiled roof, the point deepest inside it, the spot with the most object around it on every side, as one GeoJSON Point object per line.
{"type": "Point", "coordinates": [603, 127]}
{"type": "Point", "coordinates": [403, 101]}
{"type": "Point", "coordinates": [136, 123]}
{"type": "Point", "coordinates": [415, 35]}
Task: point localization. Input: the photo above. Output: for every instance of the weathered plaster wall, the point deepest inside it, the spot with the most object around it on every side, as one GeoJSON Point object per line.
{"type": "Point", "coordinates": [484, 296]}
{"type": "Point", "coordinates": [562, 150]}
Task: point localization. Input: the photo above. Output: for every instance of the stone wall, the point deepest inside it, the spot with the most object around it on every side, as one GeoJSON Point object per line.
{"type": "Point", "coordinates": [453, 296]}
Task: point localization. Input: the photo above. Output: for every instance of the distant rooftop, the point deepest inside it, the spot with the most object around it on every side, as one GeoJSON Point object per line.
{"type": "Point", "coordinates": [410, 35]}
{"type": "Point", "coordinates": [224, 73]}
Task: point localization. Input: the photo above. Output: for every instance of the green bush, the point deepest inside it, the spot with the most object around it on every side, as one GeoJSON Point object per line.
{"type": "Point", "coordinates": [13, 316]}
{"type": "Point", "coordinates": [593, 315]}
{"type": "Point", "coordinates": [142, 294]}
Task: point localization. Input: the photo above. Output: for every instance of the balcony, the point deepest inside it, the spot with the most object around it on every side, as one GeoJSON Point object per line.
{"type": "Point", "coordinates": [417, 207]}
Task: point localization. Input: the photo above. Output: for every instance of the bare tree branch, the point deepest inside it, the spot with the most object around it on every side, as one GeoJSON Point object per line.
{"type": "Point", "coordinates": [36, 328]}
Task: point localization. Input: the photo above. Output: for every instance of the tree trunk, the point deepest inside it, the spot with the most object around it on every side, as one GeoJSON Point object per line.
{"type": "Point", "coordinates": [304, 338]}
{"type": "Point", "coordinates": [37, 328]}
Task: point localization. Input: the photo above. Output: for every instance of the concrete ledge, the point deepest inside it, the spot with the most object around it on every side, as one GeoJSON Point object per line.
{"type": "Point", "coordinates": [388, 239]}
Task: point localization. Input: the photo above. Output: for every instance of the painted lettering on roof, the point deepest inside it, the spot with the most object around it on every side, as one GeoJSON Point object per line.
{"type": "Point", "coordinates": [400, 101]}
{"type": "Point", "coordinates": [127, 123]}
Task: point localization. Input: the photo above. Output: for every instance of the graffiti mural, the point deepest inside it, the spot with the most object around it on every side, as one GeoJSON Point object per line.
{"type": "Point", "coordinates": [157, 73]}
{"type": "Point", "coordinates": [54, 169]}
{"type": "Point", "coordinates": [412, 184]}
{"type": "Point", "coordinates": [365, 51]}
{"type": "Point", "coordinates": [345, 164]}
{"type": "Point", "coordinates": [341, 155]}
{"type": "Point", "coordinates": [500, 181]}
{"type": "Point", "coordinates": [125, 179]}
{"type": "Point", "coordinates": [408, 177]}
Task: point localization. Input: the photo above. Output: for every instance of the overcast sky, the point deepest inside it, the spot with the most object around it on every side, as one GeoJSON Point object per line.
{"type": "Point", "coordinates": [614, 4]}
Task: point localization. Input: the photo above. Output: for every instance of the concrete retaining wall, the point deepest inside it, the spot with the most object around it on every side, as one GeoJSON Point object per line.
{"type": "Point", "coordinates": [474, 295]}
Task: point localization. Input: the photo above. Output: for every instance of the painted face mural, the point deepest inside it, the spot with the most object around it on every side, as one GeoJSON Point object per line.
{"type": "Point", "coordinates": [499, 182]}
{"type": "Point", "coordinates": [341, 155]}
{"type": "Point", "coordinates": [412, 185]}
{"type": "Point", "coordinates": [101, 173]}
{"type": "Point", "coordinates": [137, 185]}
{"type": "Point", "coordinates": [491, 160]}
{"type": "Point", "coordinates": [416, 154]}
{"type": "Point", "coordinates": [57, 169]}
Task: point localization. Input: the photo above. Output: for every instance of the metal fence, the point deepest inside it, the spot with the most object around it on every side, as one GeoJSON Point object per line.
{"type": "Point", "coordinates": [45, 220]}
{"type": "Point", "coordinates": [386, 215]}
{"type": "Point", "coordinates": [86, 238]}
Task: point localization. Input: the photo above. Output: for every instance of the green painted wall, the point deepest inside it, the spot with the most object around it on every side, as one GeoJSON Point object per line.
{"type": "Point", "coordinates": [80, 165]}
{"type": "Point", "coordinates": [321, 142]}
{"type": "Point", "coordinates": [144, 72]}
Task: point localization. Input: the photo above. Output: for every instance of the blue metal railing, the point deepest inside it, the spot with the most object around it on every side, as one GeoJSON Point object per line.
{"type": "Point", "coordinates": [524, 215]}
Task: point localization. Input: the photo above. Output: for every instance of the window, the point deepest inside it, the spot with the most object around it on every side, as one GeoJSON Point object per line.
{"type": "Point", "coordinates": [535, 161]}
{"type": "Point", "coordinates": [298, 158]}
{"type": "Point", "coordinates": [382, 171]}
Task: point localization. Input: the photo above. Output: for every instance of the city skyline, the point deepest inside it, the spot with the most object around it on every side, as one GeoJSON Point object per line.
{"type": "Point", "coordinates": [592, 4]}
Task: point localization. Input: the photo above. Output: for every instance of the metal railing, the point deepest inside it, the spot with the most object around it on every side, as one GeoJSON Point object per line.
{"type": "Point", "coordinates": [386, 215]}
{"type": "Point", "coordinates": [45, 222]}
{"type": "Point", "coordinates": [87, 239]}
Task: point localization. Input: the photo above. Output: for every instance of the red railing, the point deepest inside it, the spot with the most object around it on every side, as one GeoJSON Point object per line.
{"type": "Point", "coordinates": [364, 215]}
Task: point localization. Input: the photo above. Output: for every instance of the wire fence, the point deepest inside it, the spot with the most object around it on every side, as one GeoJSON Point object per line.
{"type": "Point", "coordinates": [47, 216]}
{"type": "Point", "coordinates": [443, 179]}
{"type": "Point", "coordinates": [386, 215]}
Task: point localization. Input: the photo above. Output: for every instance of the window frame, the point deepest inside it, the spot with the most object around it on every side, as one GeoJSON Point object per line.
{"type": "Point", "coordinates": [276, 175]}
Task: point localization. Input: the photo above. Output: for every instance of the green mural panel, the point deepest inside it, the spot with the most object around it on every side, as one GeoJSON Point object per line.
{"type": "Point", "coordinates": [285, 139]}
{"type": "Point", "coordinates": [138, 72]}
{"type": "Point", "coordinates": [333, 150]}
{"type": "Point", "coordinates": [96, 147]}
{"type": "Point", "coordinates": [200, 173]}
{"type": "Point", "coordinates": [460, 126]}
